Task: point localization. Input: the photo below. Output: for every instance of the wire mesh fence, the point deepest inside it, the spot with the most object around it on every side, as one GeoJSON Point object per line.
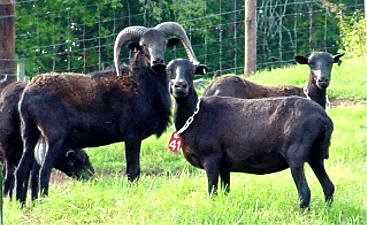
{"type": "Point", "coordinates": [78, 36]}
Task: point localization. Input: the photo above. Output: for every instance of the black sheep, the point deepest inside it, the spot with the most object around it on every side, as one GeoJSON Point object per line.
{"type": "Point", "coordinates": [258, 136]}
{"type": "Point", "coordinates": [75, 163]}
{"type": "Point", "coordinates": [75, 110]}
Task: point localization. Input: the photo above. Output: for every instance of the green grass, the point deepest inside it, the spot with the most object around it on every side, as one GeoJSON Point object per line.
{"type": "Point", "coordinates": [171, 191]}
{"type": "Point", "coordinates": [349, 142]}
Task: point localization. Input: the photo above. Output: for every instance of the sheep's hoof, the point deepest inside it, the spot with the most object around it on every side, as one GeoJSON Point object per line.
{"type": "Point", "coordinates": [305, 208]}
{"type": "Point", "coordinates": [329, 201]}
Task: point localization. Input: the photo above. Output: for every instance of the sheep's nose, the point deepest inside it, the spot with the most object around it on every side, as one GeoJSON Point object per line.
{"type": "Point", "coordinates": [158, 65]}
{"type": "Point", "coordinates": [323, 80]}
{"type": "Point", "coordinates": [158, 61]}
{"type": "Point", "coordinates": [180, 84]}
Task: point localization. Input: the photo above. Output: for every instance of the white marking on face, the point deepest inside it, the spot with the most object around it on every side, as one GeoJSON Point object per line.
{"type": "Point", "coordinates": [317, 73]}
{"type": "Point", "coordinates": [178, 72]}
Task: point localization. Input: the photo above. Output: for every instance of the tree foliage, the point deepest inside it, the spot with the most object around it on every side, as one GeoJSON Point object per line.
{"type": "Point", "coordinates": [354, 33]}
{"type": "Point", "coordinates": [78, 36]}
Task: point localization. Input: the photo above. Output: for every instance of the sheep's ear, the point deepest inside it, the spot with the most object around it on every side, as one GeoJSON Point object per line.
{"type": "Point", "coordinates": [173, 42]}
{"type": "Point", "coordinates": [337, 58]}
{"type": "Point", "coordinates": [201, 69]}
{"type": "Point", "coordinates": [301, 59]}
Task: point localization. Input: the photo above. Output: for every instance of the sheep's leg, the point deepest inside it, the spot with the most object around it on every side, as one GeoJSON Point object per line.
{"type": "Point", "coordinates": [299, 178]}
{"type": "Point", "coordinates": [327, 186]}
{"type": "Point", "coordinates": [30, 135]}
{"type": "Point", "coordinates": [132, 152]}
{"type": "Point", "coordinates": [35, 180]}
{"type": "Point", "coordinates": [225, 179]}
{"type": "Point", "coordinates": [24, 168]}
{"type": "Point", "coordinates": [9, 180]}
{"type": "Point", "coordinates": [296, 155]}
{"type": "Point", "coordinates": [54, 148]}
{"type": "Point", "coordinates": [212, 169]}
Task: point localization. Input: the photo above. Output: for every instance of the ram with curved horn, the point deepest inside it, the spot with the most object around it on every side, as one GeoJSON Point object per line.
{"type": "Point", "coordinates": [152, 43]}
{"type": "Point", "coordinates": [76, 111]}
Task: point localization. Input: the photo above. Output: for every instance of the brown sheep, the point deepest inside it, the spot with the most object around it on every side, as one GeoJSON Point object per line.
{"type": "Point", "coordinates": [320, 64]}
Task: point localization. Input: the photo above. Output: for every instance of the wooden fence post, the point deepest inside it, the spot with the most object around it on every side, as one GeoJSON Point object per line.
{"type": "Point", "coordinates": [250, 37]}
{"type": "Point", "coordinates": [7, 60]}
{"type": "Point", "coordinates": [7, 38]}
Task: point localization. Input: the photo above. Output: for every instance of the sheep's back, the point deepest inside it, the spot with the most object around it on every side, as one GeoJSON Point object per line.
{"type": "Point", "coordinates": [254, 123]}
{"type": "Point", "coordinates": [235, 86]}
{"type": "Point", "coordinates": [9, 117]}
{"type": "Point", "coordinates": [80, 88]}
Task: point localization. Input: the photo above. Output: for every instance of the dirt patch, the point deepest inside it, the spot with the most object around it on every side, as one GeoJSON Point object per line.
{"type": "Point", "coordinates": [343, 101]}
{"type": "Point", "coordinates": [156, 172]}
{"type": "Point", "coordinates": [58, 177]}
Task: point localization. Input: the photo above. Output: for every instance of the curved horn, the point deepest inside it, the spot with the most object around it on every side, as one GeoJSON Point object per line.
{"type": "Point", "coordinates": [69, 152]}
{"type": "Point", "coordinates": [173, 29]}
{"type": "Point", "coordinates": [5, 79]}
{"type": "Point", "coordinates": [124, 38]}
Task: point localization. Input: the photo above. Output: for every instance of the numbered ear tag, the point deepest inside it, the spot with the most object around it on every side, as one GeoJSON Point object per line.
{"type": "Point", "coordinates": [175, 142]}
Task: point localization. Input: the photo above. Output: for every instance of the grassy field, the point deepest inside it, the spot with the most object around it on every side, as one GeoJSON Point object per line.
{"type": "Point", "coordinates": [171, 191]}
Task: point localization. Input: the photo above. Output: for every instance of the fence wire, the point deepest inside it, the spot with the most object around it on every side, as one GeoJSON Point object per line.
{"type": "Point", "coordinates": [79, 37]}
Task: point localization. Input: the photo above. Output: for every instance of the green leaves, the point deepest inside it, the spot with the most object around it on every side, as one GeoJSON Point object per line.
{"type": "Point", "coordinates": [78, 36]}
{"type": "Point", "coordinates": [353, 30]}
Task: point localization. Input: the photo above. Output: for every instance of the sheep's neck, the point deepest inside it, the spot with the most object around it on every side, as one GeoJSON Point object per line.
{"type": "Point", "coordinates": [316, 94]}
{"type": "Point", "coordinates": [152, 93]}
{"type": "Point", "coordinates": [184, 108]}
